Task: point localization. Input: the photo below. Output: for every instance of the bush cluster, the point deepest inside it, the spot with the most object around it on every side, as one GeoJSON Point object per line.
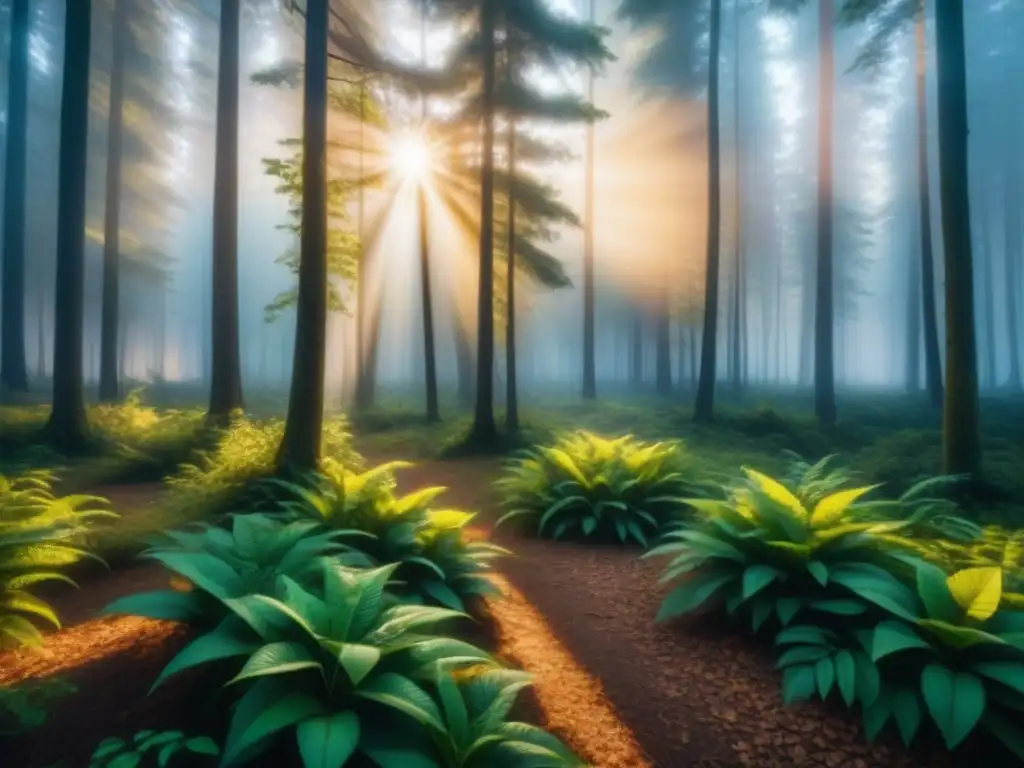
{"type": "Point", "coordinates": [331, 614]}
{"type": "Point", "coordinates": [586, 486]}
{"type": "Point", "coordinates": [864, 600]}
{"type": "Point", "coordinates": [40, 534]}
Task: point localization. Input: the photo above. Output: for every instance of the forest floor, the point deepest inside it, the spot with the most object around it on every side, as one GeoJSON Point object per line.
{"type": "Point", "coordinates": [624, 692]}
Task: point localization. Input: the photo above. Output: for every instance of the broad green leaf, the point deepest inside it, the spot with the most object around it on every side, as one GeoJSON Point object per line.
{"type": "Point", "coordinates": [202, 745]}
{"type": "Point", "coordinates": [955, 700]}
{"type": "Point", "coordinates": [825, 675]}
{"type": "Point", "coordinates": [934, 593]}
{"type": "Point", "coordinates": [266, 709]}
{"type": "Point", "coordinates": [893, 636]}
{"type": "Point", "coordinates": [276, 659]}
{"type": "Point", "coordinates": [358, 660]}
{"type": "Point", "coordinates": [819, 571]}
{"type": "Point", "coordinates": [690, 596]}
{"type": "Point", "coordinates": [1008, 673]}
{"type": "Point", "coordinates": [328, 741]}
{"type": "Point", "coordinates": [846, 676]}
{"type": "Point", "coordinates": [402, 694]}
{"type": "Point", "coordinates": [757, 577]}
{"type": "Point", "coordinates": [798, 683]}
{"type": "Point", "coordinates": [906, 708]}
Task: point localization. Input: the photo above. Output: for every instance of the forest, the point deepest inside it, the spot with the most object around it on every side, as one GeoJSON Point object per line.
{"type": "Point", "coordinates": [511, 383]}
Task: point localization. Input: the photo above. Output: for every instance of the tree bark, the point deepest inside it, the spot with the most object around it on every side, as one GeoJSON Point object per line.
{"type": "Point", "coordinates": [13, 366]}
{"type": "Point", "coordinates": [636, 350]}
{"type": "Point", "coordinates": [663, 348]}
{"type": "Point", "coordinates": [426, 294]}
{"type": "Point", "coordinates": [300, 447]}
{"type": "Point", "coordinates": [511, 392]}
{"type": "Point", "coordinates": [738, 293]}
{"type": "Point", "coordinates": [1014, 240]}
{"type": "Point", "coordinates": [484, 430]}
{"type": "Point", "coordinates": [961, 441]}
{"type": "Point", "coordinates": [589, 320]}
{"type": "Point", "coordinates": [109, 389]}
{"type": "Point", "coordinates": [705, 402]}
{"type": "Point", "coordinates": [932, 360]}
{"type": "Point", "coordinates": [824, 315]}
{"type": "Point", "coordinates": [364, 392]}
{"type": "Point", "coordinates": [68, 427]}
{"type": "Point", "coordinates": [226, 365]}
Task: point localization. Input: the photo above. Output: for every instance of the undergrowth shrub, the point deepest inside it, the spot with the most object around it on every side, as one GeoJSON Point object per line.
{"type": "Point", "coordinates": [586, 486]}
{"type": "Point", "coordinates": [40, 534]}
{"type": "Point", "coordinates": [765, 552]}
{"type": "Point", "coordinates": [959, 658]}
{"type": "Point", "coordinates": [436, 561]}
{"type": "Point", "coordinates": [218, 564]}
{"type": "Point", "coordinates": [857, 609]}
{"type": "Point", "coordinates": [245, 454]}
{"type": "Point", "coordinates": [149, 747]}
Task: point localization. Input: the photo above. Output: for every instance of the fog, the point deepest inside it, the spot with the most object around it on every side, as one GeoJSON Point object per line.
{"type": "Point", "coordinates": [650, 205]}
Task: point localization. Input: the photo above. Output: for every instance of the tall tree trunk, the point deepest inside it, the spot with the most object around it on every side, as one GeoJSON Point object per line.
{"type": "Point", "coordinates": [463, 361]}
{"type": "Point", "coordinates": [161, 330]}
{"type": "Point", "coordinates": [738, 294]}
{"type": "Point", "coordinates": [41, 337]}
{"type": "Point", "coordinates": [705, 402]}
{"type": "Point", "coordinates": [484, 430]}
{"type": "Point", "coordinates": [364, 393]}
{"type": "Point", "coordinates": [426, 297]}
{"type": "Point", "coordinates": [300, 447]}
{"type": "Point", "coordinates": [13, 367]}
{"type": "Point", "coordinates": [226, 365]}
{"type": "Point", "coordinates": [988, 291]}
{"type": "Point", "coordinates": [511, 393]}
{"type": "Point", "coordinates": [589, 320]}
{"type": "Point", "coordinates": [824, 330]}
{"type": "Point", "coordinates": [692, 343]}
{"type": "Point", "coordinates": [663, 348]}
{"type": "Point", "coordinates": [112, 211]}
{"type": "Point", "coordinates": [914, 317]}
{"type": "Point", "coordinates": [68, 427]}
{"type": "Point", "coordinates": [961, 441]}
{"type": "Point", "coordinates": [1013, 242]}
{"type": "Point", "coordinates": [932, 360]}
{"type": "Point", "coordinates": [426, 294]}
{"type": "Point", "coordinates": [636, 350]}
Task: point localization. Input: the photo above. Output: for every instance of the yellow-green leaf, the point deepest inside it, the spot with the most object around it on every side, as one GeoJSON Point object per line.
{"type": "Point", "coordinates": [830, 509]}
{"type": "Point", "coordinates": [777, 492]}
{"type": "Point", "coordinates": [977, 590]}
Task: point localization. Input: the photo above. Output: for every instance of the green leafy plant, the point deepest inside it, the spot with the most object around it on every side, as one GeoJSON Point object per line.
{"type": "Point", "coordinates": [220, 564]}
{"type": "Point", "coordinates": [764, 553]}
{"type": "Point", "coordinates": [475, 706]}
{"type": "Point", "coordinates": [966, 652]}
{"type": "Point", "coordinates": [437, 563]}
{"type": "Point", "coordinates": [818, 660]}
{"type": "Point", "coordinates": [246, 453]}
{"type": "Point", "coordinates": [23, 705]}
{"type": "Point", "coordinates": [161, 748]}
{"type": "Point", "coordinates": [591, 487]}
{"type": "Point", "coordinates": [340, 666]}
{"type": "Point", "coordinates": [39, 535]}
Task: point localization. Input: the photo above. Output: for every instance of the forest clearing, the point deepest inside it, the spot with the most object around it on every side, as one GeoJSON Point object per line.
{"type": "Point", "coordinates": [511, 384]}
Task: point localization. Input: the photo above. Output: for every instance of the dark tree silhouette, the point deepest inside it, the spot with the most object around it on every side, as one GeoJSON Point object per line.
{"type": "Point", "coordinates": [68, 427]}
{"type": "Point", "coordinates": [112, 211]}
{"type": "Point", "coordinates": [226, 366]}
{"type": "Point", "coordinates": [13, 371]}
{"type": "Point", "coordinates": [300, 447]}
